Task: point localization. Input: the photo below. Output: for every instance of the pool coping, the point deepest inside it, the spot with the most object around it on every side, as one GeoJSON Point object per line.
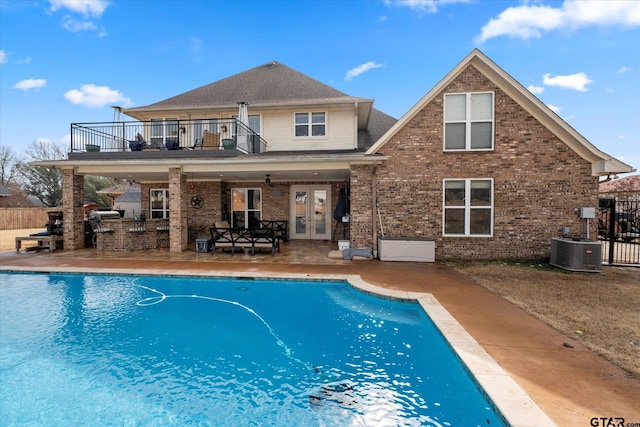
{"type": "Point", "coordinates": [516, 407]}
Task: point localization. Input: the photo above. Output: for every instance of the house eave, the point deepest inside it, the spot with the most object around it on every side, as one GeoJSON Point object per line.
{"type": "Point", "coordinates": [309, 167]}
{"type": "Point", "coordinates": [364, 106]}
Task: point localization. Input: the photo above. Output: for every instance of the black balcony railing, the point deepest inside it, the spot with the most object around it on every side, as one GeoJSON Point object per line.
{"type": "Point", "coordinates": [204, 134]}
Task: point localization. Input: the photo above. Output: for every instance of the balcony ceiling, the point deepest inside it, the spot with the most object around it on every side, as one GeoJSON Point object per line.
{"type": "Point", "coordinates": [282, 168]}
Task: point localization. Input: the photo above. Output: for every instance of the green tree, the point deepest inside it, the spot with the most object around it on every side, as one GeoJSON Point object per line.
{"type": "Point", "coordinates": [93, 184]}
{"type": "Point", "coordinates": [43, 183]}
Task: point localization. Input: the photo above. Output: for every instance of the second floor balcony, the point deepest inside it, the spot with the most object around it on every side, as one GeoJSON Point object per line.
{"type": "Point", "coordinates": [160, 135]}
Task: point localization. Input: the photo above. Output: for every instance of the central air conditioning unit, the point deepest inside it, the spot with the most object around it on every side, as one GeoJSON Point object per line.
{"type": "Point", "coordinates": [576, 254]}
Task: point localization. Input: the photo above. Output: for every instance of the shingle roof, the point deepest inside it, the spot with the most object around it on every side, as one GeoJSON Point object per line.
{"type": "Point", "coordinates": [629, 184]}
{"type": "Point", "coordinates": [379, 123]}
{"type": "Point", "coordinates": [269, 84]}
{"type": "Point", "coordinates": [133, 194]}
{"type": "Point", "coordinates": [4, 191]}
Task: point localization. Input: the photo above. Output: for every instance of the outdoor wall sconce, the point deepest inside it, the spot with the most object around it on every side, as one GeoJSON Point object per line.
{"type": "Point", "coordinates": [268, 179]}
{"type": "Point", "coordinates": [223, 129]}
{"type": "Point", "coordinates": [182, 129]}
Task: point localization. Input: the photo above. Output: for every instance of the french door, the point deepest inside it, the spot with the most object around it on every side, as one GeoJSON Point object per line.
{"type": "Point", "coordinates": [310, 212]}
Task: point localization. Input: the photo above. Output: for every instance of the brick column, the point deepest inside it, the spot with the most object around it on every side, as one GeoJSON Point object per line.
{"type": "Point", "coordinates": [362, 215]}
{"type": "Point", "coordinates": [178, 230]}
{"type": "Point", "coordinates": [72, 208]}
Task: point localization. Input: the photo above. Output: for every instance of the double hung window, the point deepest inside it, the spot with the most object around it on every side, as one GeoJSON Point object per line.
{"type": "Point", "coordinates": [159, 200]}
{"type": "Point", "coordinates": [468, 207]}
{"type": "Point", "coordinates": [246, 207]}
{"type": "Point", "coordinates": [468, 121]}
{"type": "Point", "coordinates": [310, 124]}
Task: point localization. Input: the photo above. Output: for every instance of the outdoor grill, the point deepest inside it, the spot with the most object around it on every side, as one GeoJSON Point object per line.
{"type": "Point", "coordinates": [106, 215]}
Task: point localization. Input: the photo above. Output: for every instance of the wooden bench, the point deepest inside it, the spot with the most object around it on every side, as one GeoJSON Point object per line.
{"type": "Point", "coordinates": [43, 241]}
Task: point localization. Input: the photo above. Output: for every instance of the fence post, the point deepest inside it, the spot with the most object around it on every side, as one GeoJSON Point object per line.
{"type": "Point", "coordinates": [612, 229]}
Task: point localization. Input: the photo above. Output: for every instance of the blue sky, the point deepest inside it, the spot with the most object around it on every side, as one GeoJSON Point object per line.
{"type": "Point", "coordinates": [68, 61]}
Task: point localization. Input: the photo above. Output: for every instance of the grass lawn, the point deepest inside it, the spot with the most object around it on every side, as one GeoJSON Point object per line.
{"type": "Point", "coordinates": [601, 310]}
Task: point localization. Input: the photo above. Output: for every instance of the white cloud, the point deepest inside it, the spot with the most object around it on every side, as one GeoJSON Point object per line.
{"type": "Point", "coordinates": [535, 89]}
{"type": "Point", "coordinates": [577, 81]}
{"type": "Point", "coordinates": [355, 72]}
{"type": "Point", "coordinates": [74, 26]}
{"type": "Point", "coordinates": [85, 7]}
{"type": "Point", "coordinates": [30, 84]}
{"type": "Point", "coordinates": [624, 69]}
{"type": "Point", "coordinates": [96, 96]}
{"type": "Point", "coordinates": [26, 60]}
{"type": "Point", "coordinates": [3, 57]}
{"type": "Point", "coordinates": [553, 108]}
{"type": "Point", "coordinates": [530, 20]}
{"type": "Point", "coordinates": [430, 6]}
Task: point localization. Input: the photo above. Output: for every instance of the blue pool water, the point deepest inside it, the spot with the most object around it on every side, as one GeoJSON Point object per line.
{"type": "Point", "coordinates": [124, 350]}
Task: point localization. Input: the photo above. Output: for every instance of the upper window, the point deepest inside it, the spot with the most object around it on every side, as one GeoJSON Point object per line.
{"type": "Point", "coordinates": [468, 121]}
{"type": "Point", "coordinates": [468, 207]}
{"type": "Point", "coordinates": [311, 124]}
{"type": "Point", "coordinates": [254, 123]}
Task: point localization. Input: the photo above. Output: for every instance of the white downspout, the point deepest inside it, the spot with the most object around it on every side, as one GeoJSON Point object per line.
{"type": "Point", "coordinates": [355, 127]}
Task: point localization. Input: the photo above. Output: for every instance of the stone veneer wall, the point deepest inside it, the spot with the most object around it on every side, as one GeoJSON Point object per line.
{"type": "Point", "coordinates": [538, 182]}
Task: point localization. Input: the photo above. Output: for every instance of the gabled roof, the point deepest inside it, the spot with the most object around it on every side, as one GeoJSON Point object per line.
{"type": "Point", "coordinates": [602, 163]}
{"type": "Point", "coordinates": [268, 85]}
{"type": "Point", "coordinates": [4, 191]}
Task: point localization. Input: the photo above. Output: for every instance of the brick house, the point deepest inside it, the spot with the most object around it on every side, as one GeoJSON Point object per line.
{"type": "Point", "coordinates": [479, 164]}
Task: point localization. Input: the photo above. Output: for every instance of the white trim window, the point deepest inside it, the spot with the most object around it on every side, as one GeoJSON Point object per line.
{"type": "Point", "coordinates": [468, 121]}
{"type": "Point", "coordinates": [312, 124]}
{"type": "Point", "coordinates": [159, 203]}
{"type": "Point", "coordinates": [163, 130]}
{"type": "Point", "coordinates": [246, 207]}
{"type": "Point", "coordinates": [468, 207]}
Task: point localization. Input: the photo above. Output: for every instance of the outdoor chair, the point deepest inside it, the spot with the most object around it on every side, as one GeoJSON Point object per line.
{"type": "Point", "coordinates": [264, 238]}
{"type": "Point", "coordinates": [137, 144]}
{"type": "Point", "coordinates": [210, 141]}
{"type": "Point", "coordinates": [222, 238]}
{"type": "Point", "coordinates": [279, 227]}
{"type": "Point", "coordinates": [99, 229]}
{"type": "Point", "coordinates": [138, 229]}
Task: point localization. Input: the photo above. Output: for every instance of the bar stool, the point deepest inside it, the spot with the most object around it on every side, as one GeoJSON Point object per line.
{"type": "Point", "coordinates": [138, 228]}
{"type": "Point", "coordinates": [98, 228]}
{"type": "Point", "coordinates": [162, 232]}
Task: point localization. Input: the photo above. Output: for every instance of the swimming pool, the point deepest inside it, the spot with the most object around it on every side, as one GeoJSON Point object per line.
{"type": "Point", "coordinates": [127, 350]}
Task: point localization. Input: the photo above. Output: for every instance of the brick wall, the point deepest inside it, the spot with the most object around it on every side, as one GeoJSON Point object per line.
{"type": "Point", "coordinates": [538, 181]}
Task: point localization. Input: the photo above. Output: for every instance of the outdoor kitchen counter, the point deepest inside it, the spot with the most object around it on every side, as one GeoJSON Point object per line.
{"type": "Point", "coordinates": [151, 234]}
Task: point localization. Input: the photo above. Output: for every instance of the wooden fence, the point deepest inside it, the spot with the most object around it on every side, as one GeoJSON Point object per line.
{"type": "Point", "coordinates": [18, 218]}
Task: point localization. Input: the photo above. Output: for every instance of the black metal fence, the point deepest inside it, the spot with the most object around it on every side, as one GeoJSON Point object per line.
{"type": "Point", "coordinates": [207, 134]}
{"type": "Point", "coordinates": [619, 230]}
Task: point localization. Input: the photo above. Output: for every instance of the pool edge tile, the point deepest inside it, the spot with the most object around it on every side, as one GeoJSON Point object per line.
{"type": "Point", "coordinates": [514, 404]}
